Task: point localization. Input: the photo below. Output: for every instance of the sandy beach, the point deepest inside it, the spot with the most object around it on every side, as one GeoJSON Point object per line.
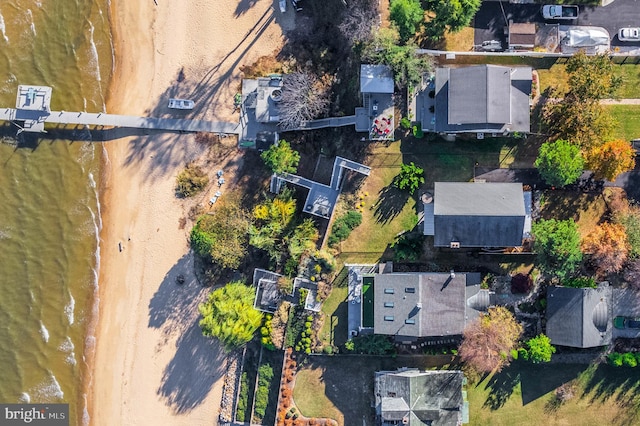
{"type": "Point", "coordinates": [151, 364]}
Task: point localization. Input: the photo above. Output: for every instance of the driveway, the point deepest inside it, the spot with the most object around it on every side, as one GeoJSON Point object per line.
{"type": "Point", "coordinates": [489, 22]}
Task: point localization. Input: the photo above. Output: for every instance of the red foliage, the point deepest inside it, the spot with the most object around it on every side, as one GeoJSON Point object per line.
{"type": "Point", "coordinates": [521, 283]}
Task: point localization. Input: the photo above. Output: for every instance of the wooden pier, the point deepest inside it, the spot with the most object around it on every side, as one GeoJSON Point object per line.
{"type": "Point", "coordinates": [32, 112]}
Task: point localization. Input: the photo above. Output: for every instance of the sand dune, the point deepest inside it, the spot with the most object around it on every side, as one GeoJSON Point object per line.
{"type": "Point", "coordinates": [152, 366]}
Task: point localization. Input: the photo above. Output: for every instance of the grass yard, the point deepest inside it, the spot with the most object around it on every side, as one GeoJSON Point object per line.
{"type": "Point", "coordinates": [389, 211]}
{"type": "Point", "coordinates": [334, 329]}
{"type": "Point", "coordinates": [341, 387]}
{"type": "Point", "coordinates": [588, 210]}
{"type": "Point", "coordinates": [523, 391]}
{"type": "Point", "coordinates": [557, 76]}
{"type": "Point", "coordinates": [628, 118]}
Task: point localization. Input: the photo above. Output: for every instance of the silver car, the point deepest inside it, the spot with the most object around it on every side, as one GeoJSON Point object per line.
{"type": "Point", "coordinates": [629, 34]}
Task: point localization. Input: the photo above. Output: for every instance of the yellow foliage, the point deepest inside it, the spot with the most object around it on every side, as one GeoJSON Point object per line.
{"type": "Point", "coordinates": [610, 159]}
{"type": "Point", "coordinates": [608, 246]}
{"type": "Point", "coordinates": [261, 212]}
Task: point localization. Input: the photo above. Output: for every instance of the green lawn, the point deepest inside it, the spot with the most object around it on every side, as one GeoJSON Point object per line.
{"type": "Point", "coordinates": [628, 118]}
{"type": "Point", "coordinates": [334, 329]}
{"type": "Point", "coordinates": [557, 76]}
{"type": "Point", "coordinates": [341, 388]}
{"type": "Point", "coordinates": [587, 210]}
{"type": "Point", "coordinates": [522, 392]}
{"type": "Point", "coordinates": [389, 211]}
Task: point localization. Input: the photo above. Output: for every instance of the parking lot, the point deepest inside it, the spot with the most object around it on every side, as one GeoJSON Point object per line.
{"type": "Point", "coordinates": [490, 22]}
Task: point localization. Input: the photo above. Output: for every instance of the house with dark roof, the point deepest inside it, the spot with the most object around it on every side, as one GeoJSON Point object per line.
{"type": "Point", "coordinates": [469, 214]}
{"type": "Point", "coordinates": [413, 305]}
{"type": "Point", "coordinates": [480, 99]}
{"type": "Point", "coordinates": [580, 317]}
{"type": "Point", "coordinates": [268, 296]}
{"type": "Point", "coordinates": [412, 397]}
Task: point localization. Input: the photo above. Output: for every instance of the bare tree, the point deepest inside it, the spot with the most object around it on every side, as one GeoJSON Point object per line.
{"type": "Point", "coordinates": [359, 20]}
{"type": "Point", "coordinates": [304, 97]}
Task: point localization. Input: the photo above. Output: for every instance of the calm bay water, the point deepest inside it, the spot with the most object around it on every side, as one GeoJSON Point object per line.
{"type": "Point", "coordinates": [49, 209]}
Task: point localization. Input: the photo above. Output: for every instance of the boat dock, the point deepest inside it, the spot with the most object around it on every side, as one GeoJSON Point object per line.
{"type": "Point", "coordinates": [32, 112]}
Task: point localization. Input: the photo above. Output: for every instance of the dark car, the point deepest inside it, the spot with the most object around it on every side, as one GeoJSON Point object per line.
{"type": "Point", "coordinates": [626, 322]}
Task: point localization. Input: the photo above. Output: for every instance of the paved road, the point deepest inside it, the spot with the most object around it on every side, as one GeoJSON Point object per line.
{"type": "Point", "coordinates": [490, 20]}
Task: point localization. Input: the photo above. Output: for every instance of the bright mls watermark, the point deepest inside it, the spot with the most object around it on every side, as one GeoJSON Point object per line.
{"type": "Point", "coordinates": [34, 414]}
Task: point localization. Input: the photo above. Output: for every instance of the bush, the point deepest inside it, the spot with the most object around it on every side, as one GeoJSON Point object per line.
{"type": "Point", "coordinates": [408, 247]}
{"type": "Point", "coordinates": [580, 282]}
{"type": "Point", "coordinates": [191, 180]}
{"type": "Point", "coordinates": [417, 131]}
{"type": "Point", "coordinates": [521, 283]}
{"type": "Point", "coordinates": [615, 359]}
{"type": "Point", "coordinates": [629, 360]}
{"type": "Point", "coordinates": [343, 226]}
{"type": "Point", "coordinates": [540, 349]}
{"type": "Point", "coordinates": [405, 123]}
{"type": "Point", "coordinates": [410, 177]}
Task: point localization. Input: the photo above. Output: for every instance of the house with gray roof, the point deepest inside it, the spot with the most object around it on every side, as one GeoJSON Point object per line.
{"type": "Point", "coordinates": [580, 317]}
{"type": "Point", "coordinates": [480, 99]}
{"type": "Point", "coordinates": [268, 296]}
{"type": "Point", "coordinates": [413, 305]}
{"type": "Point", "coordinates": [470, 214]}
{"type": "Point", "coordinates": [412, 397]}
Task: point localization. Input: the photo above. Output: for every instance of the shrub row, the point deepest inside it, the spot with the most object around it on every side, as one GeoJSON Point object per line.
{"type": "Point", "coordinates": [265, 376]}
{"type": "Point", "coordinates": [343, 226]}
{"type": "Point", "coordinates": [265, 333]}
{"type": "Point", "coordinates": [626, 359]}
{"type": "Point", "coordinates": [243, 398]}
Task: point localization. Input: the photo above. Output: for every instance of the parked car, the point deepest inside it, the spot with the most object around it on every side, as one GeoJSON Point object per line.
{"type": "Point", "coordinates": [626, 322]}
{"type": "Point", "coordinates": [491, 46]}
{"type": "Point", "coordinates": [629, 34]}
{"type": "Point", "coordinates": [556, 11]}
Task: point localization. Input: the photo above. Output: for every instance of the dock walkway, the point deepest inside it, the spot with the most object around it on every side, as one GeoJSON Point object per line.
{"type": "Point", "coordinates": [32, 118]}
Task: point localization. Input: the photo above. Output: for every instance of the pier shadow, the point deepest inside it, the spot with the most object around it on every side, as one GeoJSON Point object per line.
{"type": "Point", "coordinates": [198, 362]}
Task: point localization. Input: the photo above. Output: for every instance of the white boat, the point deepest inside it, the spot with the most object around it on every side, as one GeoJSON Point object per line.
{"type": "Point", "coordinates": [181, 104]}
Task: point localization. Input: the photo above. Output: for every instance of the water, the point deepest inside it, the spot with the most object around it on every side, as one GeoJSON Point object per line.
{"type": "Point", "coordinates": [50, 212]}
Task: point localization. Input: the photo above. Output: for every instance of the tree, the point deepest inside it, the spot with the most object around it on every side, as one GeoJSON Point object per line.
{"type": "Point", "coordinates": [281, 158]}
{"type": "Point", "coordinates": [407, 66]}
{"type": "Point", "coordinates": [610, 159]}
{"type": "Point", "coordinates": [539, 349]}
{"type": "Point", "coordinates": [229, 315]}
{"type": "Point", "coordinates": [358, 21]}
{"type": "Point", "coordinates": [630, 219]}
{"type": "Point", "coordinates": [450, 15]}
{"type": "Point", "coordinates": [608, 247]}
{"type": "Point", "coordinates": [275, 231]}
{"type": "Point", "coordinates": [585, 123]}
{"type": "Point", "coordinates": [592, 77]}
{"type": "Point", "coordinates": [410, 177]}
{"type": "Point", "coordinates": [304, 98]}
{"type": "Point", "coordinates": [406, 15]}
{"type": "Point", "coordinates": [487, 342]}
{"type": "Point", "coordinates": [559, 163]}
{"type": "Point", "coordinates": [221, 236]}
{"type": "Point", "coordinates": [557, 245]}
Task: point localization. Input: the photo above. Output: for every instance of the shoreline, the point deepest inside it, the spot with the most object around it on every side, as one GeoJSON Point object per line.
{"type": "Point", "coordinates": [150, 361]}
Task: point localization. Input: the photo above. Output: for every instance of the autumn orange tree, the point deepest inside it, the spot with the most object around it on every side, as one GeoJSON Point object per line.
{"type": "Point", "coordinates": [488, 341]}
{"type": "Point", "coordinates": [608, 247]}
{"type": "Point", "coordinates": [610, 159]}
